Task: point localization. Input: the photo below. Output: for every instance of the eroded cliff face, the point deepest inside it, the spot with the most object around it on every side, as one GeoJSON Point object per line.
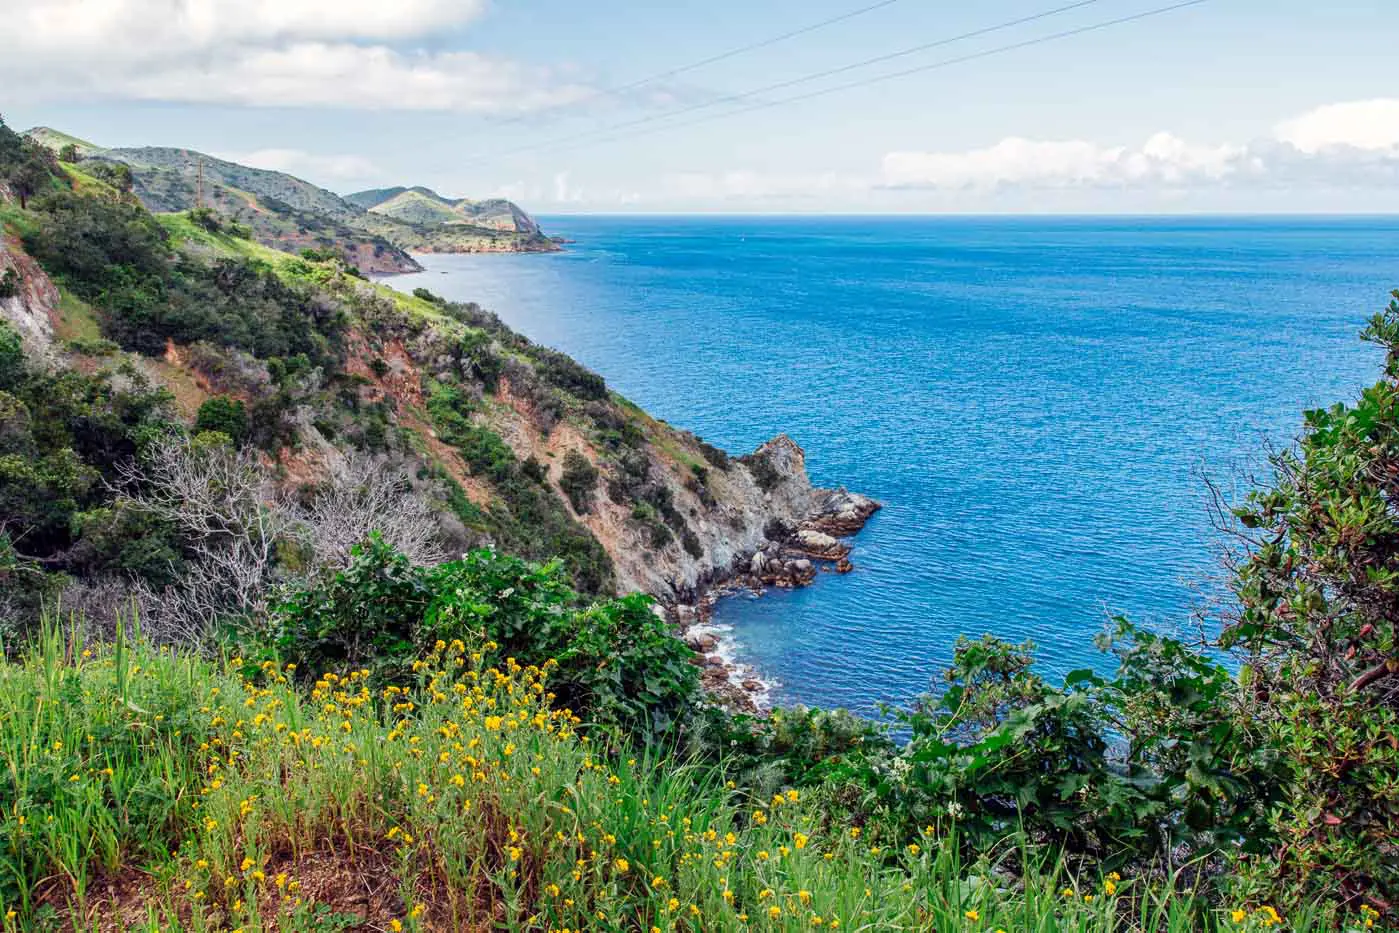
{"type": "Point", "coordinates": [28, 299]}
{"type": "Point", "coordinates": [675, 515]}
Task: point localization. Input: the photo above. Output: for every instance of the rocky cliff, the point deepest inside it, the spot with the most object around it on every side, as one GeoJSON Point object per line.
{"type": "Point", "coordinates": [29, 301]}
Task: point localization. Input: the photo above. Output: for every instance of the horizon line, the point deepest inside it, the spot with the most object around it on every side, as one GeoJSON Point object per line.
{"type": "Point", "coordinates": [967, 214]}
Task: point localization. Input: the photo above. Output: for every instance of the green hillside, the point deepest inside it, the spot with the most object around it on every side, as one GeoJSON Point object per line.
{"type": "Point", "coordinates": [371, 229]}
{"type": "Point", "coordinates": [442, 224]}
{"type": "Point", "coordinates": [56, 140]}
{"type": "Point", "coordinates": [415, 207]}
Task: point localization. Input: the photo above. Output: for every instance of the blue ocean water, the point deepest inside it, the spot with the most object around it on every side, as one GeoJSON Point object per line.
{"type": "Point", "coordinates": [1032, 399]}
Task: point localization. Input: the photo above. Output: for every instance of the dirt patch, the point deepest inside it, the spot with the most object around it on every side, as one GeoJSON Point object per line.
{"type": "Point", "coordinates": [182, 383]}
{"type": "Point", "coordinates": [113, 904]}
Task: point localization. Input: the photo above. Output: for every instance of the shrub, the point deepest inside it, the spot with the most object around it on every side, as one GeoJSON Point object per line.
{"type": "Point", "coordinates": [563, 372]}
{"type": "Point", "coordinates": [764, 473]}
{"type": "Point", "coordinates": [9, 284]}
{"type": "Point", "coordinates": [617, 663]}
{"type": "Point", "coordinates": [205, 219]}
{"type": "Point", "coordinates": [1318, 593]}
{"type": "Point", "coordinates": [579, 481]}
{"type": "Point", "coordinates": [223, 414]}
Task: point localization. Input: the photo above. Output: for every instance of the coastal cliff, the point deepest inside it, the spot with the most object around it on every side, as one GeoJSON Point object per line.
{"type": "Point", "coordinates": [303, 364]}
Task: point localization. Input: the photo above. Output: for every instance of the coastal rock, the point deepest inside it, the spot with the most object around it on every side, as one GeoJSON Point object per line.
{"type": "Point", "coordinates": [821, 545]}
{"type": "Point", "coordinates": [704, 643]}
{"type": "Point", "coordinates": [841, 513]}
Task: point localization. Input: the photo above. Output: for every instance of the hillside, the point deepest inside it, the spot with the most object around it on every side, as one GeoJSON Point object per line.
{"type": "Point", "coordinates": [290, 214]}
{"type": "Point", "coordinates": [519, 445]}
{"type": "Point", "coordinates": [420, 205]}
{"type": "Point", "coordinates": [440, 224]}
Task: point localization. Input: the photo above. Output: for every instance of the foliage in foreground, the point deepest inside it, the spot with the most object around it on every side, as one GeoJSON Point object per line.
{"type": "Point", "coordinates": [215, 797]}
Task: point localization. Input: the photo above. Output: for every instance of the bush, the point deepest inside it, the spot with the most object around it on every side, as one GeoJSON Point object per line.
{"type": "Point", "coordinates": [225, 415]}
{"type": "Point", "coordinates": [1318, 621]}
{"type": "Point", "coordinates": [764, 473]}
{"type": "Point", "coordinates": [205, 219]}
{"type": "Point", "coordinates": [617, 663]}
{"type": "Point", "coordinates": [579, 481]}
{"type": "Point", "coordinates": [563, 372]}
{"type": "Point", "coordinates": [63, 437]}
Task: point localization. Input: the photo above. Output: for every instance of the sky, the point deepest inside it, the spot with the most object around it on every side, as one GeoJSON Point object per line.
{"type": "Point", "coordinates": [1220, 106]}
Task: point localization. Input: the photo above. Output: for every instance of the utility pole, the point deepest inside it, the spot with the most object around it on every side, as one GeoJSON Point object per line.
{"type": "Point", "coordinates": [199, 186]}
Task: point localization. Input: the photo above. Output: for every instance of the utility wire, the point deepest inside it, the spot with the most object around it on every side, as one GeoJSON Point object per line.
{"type": "Point", "coordinates": [890, 76]}
{"type": "Point", "coordinates": [693, 66]}
{"type": "Point", "coordinates": [803, 79]}
{"type": "Point", "coordinates": [876, 79]}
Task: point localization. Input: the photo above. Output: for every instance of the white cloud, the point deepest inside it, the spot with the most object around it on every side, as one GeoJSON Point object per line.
{"type": "Point", "coordinates": [307, 164]}
{"type": "Point", "coordinates": [1162, 160]}
{"type": "Point", "coordinates": [145, 29]}
{"type": "Point", "coordinates": [313, 74]}
{"type": "Point", "coordinates": [1368, 125]}
{"type": "Point", "coordinates": [1342, 154]}
{"type": "Point", "coordinates": [286, 53]}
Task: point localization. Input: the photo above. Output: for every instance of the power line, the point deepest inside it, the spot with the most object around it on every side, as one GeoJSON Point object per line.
{"type": "Point", "coordinates": [711, 60]}
{"type": "Point", "coordinates": [803, 79]}
{"type": "Point", "coordinates": [890, 76]}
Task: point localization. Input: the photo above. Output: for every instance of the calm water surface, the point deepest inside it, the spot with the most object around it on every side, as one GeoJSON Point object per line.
{"type": "Point", "coordinates": [1032, 399]}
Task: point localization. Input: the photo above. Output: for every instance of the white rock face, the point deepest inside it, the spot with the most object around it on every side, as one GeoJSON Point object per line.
{"type": "Point", "coordinates": [730, 528]}
{"type": "Point", "coordinates": [33, 307]}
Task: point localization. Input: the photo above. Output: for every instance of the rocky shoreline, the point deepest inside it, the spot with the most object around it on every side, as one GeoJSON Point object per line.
{"type": "Point", "coordinates": [791, 557]}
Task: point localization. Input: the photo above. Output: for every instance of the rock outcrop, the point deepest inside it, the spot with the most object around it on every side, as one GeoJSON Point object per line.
{"type": "Point", "coordinates": [28, 300]}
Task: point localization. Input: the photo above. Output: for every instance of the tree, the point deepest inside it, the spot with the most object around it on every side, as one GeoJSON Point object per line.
{"type": "Point", "coordinates": [69, 153]}
{"type": "Point", "coordinates": [1318, 623]}
{"type": "Point", "coordinates": [27, 179]}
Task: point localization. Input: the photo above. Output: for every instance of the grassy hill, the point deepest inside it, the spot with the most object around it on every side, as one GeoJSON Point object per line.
{"type": "Point", "coordinates": [56, 140]}
{"type": "Point", "coordinates": [433, 223]}
{"type": "Point", "coordinates": [291, 214]}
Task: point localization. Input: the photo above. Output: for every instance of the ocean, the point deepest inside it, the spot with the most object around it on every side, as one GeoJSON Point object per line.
{"type": "Point", "coordinates": [1036, 401]}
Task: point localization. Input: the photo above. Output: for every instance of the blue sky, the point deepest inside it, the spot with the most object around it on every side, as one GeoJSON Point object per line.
{"type": "Point", "coordinates": [1229, 105]}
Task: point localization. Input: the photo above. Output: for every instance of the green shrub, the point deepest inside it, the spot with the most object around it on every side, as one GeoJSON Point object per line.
{"type": "Point", "coordinates": [63, 437]}
{"type": "Point", "coordinates": [223, 414]}
{"type": "Point", "coordinates": [579, 481]}
{"type": "Point", "coordinates": [1318, 621]}
{"type": "Point", "coordinates": [618, 665]}
{"type": "Point", "coordinates": [764, 473]}
{"type": "Point", "coordinates": [563, 372]}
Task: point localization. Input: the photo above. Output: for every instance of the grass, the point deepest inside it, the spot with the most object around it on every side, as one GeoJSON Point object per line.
{"type": "Point", "coordinates": [77, 320]}
{"type": "Point", "coordinates": [85, 184]}
{"type": "Point", "coordinates": [184, 231]}
{"type": "Point", "coordinates": [176, 793]}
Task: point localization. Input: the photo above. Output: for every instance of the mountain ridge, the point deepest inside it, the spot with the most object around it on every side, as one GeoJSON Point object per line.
{"type": "Point", "coordinates": [291, 214]}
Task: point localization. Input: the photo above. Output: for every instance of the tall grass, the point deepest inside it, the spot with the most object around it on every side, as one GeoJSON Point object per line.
{"type": "Point", "coordinates": [175, 793]}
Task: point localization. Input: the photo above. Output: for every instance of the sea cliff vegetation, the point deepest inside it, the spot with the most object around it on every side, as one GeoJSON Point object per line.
{"type": "Point", "coordinates": [243, 690]}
